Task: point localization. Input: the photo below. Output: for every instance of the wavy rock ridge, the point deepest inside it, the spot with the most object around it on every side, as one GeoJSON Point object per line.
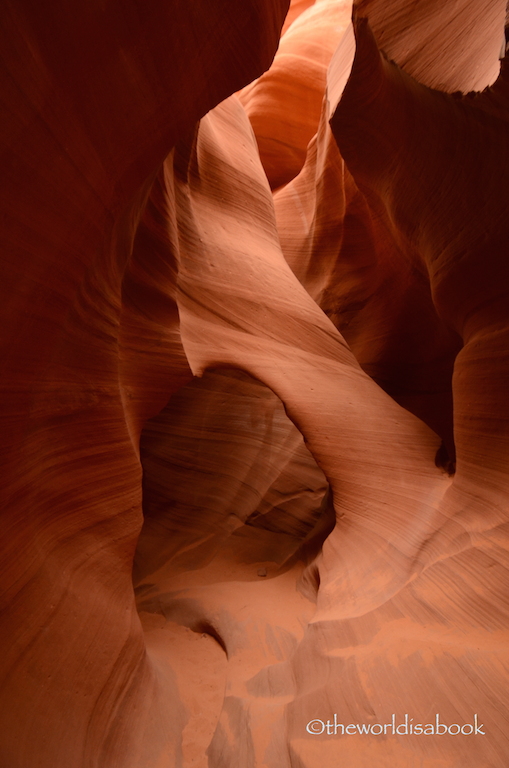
{"type": "Point", "coordinates": [302, 390]}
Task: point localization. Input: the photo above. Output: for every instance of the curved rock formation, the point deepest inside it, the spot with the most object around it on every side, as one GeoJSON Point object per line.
{"type": "Point", "coordinates": [226, 437]}
{"type": "Point", "coordinates": [284, 104]}
{"type": "Point", "coordinates": [352, 262]}
{"type": "Point", "coordinates": [450, 47]}
{"type": "Point", "coordinates": [94, 100]}
{"type": "Point", "coordinates": [279, 381]}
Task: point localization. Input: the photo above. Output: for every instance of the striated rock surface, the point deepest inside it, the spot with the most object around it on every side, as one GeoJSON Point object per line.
{"type": "Point", "coordinates": [254, 442]}
{"type": "Point", "coordinates": [284, 104]}
{"type": "Point", "coordinates": [453, 46]}
{"type": "Point", "coordinates": [351, 260]}
{"type": "Point", "coordinates": [251, 478]}
{"type": "Point", "coordinates": [93, 100]}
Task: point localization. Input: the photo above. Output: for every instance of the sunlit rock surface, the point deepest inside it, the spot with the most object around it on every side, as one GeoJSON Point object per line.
{"type": "Point", "coordinates": [254, 401]}
{"type": "Point", "coordinates": [284, 104]}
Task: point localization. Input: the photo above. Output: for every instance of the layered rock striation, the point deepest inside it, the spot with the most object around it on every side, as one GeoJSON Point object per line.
{"type": "Point", "coordinates": [254, 413]}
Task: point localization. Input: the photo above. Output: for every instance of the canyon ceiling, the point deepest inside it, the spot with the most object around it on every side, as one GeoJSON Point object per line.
{"type": "Point", "coordinates": [255, 386]}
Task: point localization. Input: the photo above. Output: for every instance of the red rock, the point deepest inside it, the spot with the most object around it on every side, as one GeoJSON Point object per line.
{"type": "Point", "coordinates": [352, 262]}
{"type": "Point", "coordinates": [94, 99]}
{"type": "Point", "coordinates": [284, 104]}
{"type": "Point", "coordinates": [264, 347]}
{"type": "Point", "coordinates": [446, 46]}
{"type": "Point", "coordinates": [296, 8]}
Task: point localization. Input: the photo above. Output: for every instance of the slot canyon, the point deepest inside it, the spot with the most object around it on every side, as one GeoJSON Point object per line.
{"type": "Point", "coordinates": [255, 387]}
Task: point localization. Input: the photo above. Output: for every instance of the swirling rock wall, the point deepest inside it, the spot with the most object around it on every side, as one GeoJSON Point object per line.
{"type": "Point", "coordinates": [94, 97]}
{"type": "Point", "coordinates": [284, 104]}
{"type": "Point", "coordinates": [282, 416]}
